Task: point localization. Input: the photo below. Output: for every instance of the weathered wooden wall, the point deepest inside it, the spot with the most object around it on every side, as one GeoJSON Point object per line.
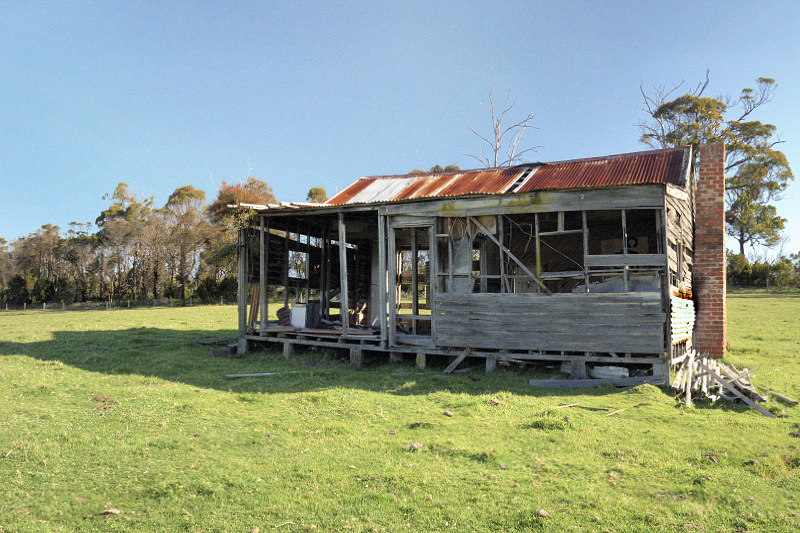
{"type": "Point", "coordinates": [680, 234]}
{"type": "Point", "coordinates": [594, 322]}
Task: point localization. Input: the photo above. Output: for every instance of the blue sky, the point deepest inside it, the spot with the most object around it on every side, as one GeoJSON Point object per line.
{"type": "Point", "coordinates": [303, 94]}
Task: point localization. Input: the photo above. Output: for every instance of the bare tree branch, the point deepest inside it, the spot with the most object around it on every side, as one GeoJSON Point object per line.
{"type": "Point", "coordinates": [505, 137]}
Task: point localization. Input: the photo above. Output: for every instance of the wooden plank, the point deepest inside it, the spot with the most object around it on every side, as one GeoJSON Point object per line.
{"type": "Point", "coordinates": [576, 320]}
{"type": "Point", "coordinates": [551, 299]}
{"type": "Point", "coordinates": [452, 366]}
{"type": "Point", "coordinates": [414, 280]}
{"type": "Point", "coordinates": [587, 383]}
{"type": "Point", "coordinates": [344, 309]}
{"type": "Point", "coordinates": [262, 274]}
{"type": "Point", "coordinates": [637, 196]}
{"type": "Point", "coordinates": [241, 291]}
{"type": "Point", "coordinates": [392, 292]}
{"type": "Point", "coordinates": [735, 391]}
{"type": "Point", "coordinates": [256, 375]}
{"type": "Point", "coordinates": [620, 260]}
{"type": "Point", "coordinates": [782, 398]}
{"type": "Point", "coordinates": [286, 269]}
{"type": "Point", "coordinates": [508, 253]}
{"type": "Point", "coordinates": [382, 281]}
{"type": "Point", "coordinates": [457, 339]}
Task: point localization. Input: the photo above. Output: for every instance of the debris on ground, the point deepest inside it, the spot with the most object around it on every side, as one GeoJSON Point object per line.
{"type": "Point", "coordinates": [699, 376]}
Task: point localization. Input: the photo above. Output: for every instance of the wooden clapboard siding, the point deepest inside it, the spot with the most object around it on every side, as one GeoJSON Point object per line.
{"type": "Point", "coordinates": [597, 322]}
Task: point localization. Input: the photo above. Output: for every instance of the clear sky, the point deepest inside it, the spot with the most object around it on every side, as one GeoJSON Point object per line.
{"type": "Point", "coordinates": [303, 94]}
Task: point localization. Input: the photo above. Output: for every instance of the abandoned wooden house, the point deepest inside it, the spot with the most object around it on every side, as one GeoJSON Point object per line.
{"type": "Point", "coordinates": [588, 262]}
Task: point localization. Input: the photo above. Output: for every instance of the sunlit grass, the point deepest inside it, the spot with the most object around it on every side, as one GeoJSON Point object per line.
{"type": "Point", "coordinates": [125, 410]}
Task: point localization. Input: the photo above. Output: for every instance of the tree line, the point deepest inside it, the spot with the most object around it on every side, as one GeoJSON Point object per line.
{"type": "Point", "coordinates": [136, 251]}
{"type": "Point", "coordinates": [186, 248]}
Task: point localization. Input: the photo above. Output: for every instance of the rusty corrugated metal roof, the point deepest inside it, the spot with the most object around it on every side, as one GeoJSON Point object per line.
{"type": "Point", "coordinates": [655, 166]}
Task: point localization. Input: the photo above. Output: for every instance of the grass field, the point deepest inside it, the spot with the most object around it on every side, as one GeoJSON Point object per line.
{"type": "Point", "coordinates": [106, 411]}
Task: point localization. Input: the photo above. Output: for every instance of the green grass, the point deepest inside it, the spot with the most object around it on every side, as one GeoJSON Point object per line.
{"type": "Point", "coordinates": [126, 410]}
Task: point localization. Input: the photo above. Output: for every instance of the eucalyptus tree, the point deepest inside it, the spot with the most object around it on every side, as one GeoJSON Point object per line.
{"type": "Point", "coordinates": [189, 230]}
{"type": "Point", "coordinates": [756, 172]}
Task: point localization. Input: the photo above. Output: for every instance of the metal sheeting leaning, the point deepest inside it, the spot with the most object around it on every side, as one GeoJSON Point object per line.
{"type": "Point", "coordinates": [681, 319]}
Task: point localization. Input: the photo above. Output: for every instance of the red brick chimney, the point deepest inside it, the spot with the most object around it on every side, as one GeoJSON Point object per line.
{"type": "Point", "coordinates": [709, 280]}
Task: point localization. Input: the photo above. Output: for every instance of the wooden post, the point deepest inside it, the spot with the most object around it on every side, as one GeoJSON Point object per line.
{"type": "Point", "coordinates": [585, 251]}
{"type": "Point", "coordinates": [421, 360]}
{"type": "Point", "coordinates": [308, 264]}
{"type": "Point", "coordinates": [538, 251]}
{"type": "Point", "coordinates": [241, 293]}
{"type": "Point", "coordinates": [433, 266]}
{"type": "Point", "coordinates": [392, 271]}
{"type": "Point", "coordinates": [504, 285]}
{"type": "Point", "coordinates": [287, 350]}
{"type": "Point", "coordinates": [286, 268]}
{"type": "Point", "coordinates": [624, 249]}
{"type": "Point", "coordinates": [578, 369]}
{"type": "Point", "coordinates": [344, 313]}
{"type": "Point", "coordinates": [327, 270]}
{"type": "Point", "coordinates": [262, 275]}
{"type": "Point", "coordinates": [491, 363]}
{"type": "Point", "coordinates": [356, 356]}
{"type": "Point", "coordinates": [414, 284]}
{"type": "Point", "coordinates": [383, 280]}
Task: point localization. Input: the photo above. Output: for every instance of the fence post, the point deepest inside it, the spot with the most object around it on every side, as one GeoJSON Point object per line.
{"type": "Point", "coordinates": [24, 306]}
{"type": "Point", "coordinates": [44, 306]}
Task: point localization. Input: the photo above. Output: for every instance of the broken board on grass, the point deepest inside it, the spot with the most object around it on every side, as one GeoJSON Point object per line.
{"type": "Point", "coordinates": [595, 382]}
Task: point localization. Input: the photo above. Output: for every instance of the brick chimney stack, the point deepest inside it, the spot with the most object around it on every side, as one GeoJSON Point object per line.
{"type": "Point", "coordinates": [709, 283]}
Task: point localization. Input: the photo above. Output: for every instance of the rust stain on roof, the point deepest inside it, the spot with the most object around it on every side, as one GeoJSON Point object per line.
{"type": "Point", "coordinates": [658, 166]}
{"type": "Point", "coordinates": [655, 166]}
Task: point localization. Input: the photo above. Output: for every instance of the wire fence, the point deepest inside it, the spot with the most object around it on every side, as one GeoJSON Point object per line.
{"type": "Point", "coordinates": [108, 305]}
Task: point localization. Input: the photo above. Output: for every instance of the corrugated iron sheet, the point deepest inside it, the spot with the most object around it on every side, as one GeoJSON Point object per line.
{"type": "Point", "coordinates": [489, 181]}
{"type": "Point", "coordinates": [656, 166]}
{"type": "Point", "coordinates": [350, 192]}
{"type": "Point", "coordinates": [382, 190]}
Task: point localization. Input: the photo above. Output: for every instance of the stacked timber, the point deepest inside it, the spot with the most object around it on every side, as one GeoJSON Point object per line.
{"type": "Point", "coordinates": [681, 318]}
{"type": "Point", "coordinates": [699, 376]}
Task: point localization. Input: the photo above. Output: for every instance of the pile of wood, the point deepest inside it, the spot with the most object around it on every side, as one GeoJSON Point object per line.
{"type": "Point", "coordinates": [703, 377]}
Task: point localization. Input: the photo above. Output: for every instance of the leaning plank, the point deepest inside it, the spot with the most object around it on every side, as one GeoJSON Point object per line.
{"type": "Point", "coordinates": [586, 383]}
{"type": "Point", "coordinates": [735, 391]}
{"type": "Point", "coordinates": [452, 366]}
{"type": "Point", "coordinates": [781, 397]}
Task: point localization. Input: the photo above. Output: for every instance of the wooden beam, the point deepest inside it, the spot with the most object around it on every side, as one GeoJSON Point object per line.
{"type": "Point", "coordinates": [382, 281]}
{"type": "Point", "coordinates": [452, 366]}
{"type": "Point", "coordinates": [703, 366]}
{"type": "Point", "coordinates": [414, 280]}
{"type": "Point", "coordinates": [344, 313]}
{"type": "Point", "coordinates": [286, 268]}
{"type": "Point", "coordinates": [586, 383]}
{"type": "Point", "coordinates": [241, 291]}
{"type": "Point", "coordinates": [508, 252]}
{"type": "Point", "coordinates": [262, 274]}
{"type": "Point", "coordinates": [391, 272]}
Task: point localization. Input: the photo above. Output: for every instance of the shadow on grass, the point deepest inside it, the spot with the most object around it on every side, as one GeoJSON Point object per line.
{"type": "Point", "coordinates": [186, 357]}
